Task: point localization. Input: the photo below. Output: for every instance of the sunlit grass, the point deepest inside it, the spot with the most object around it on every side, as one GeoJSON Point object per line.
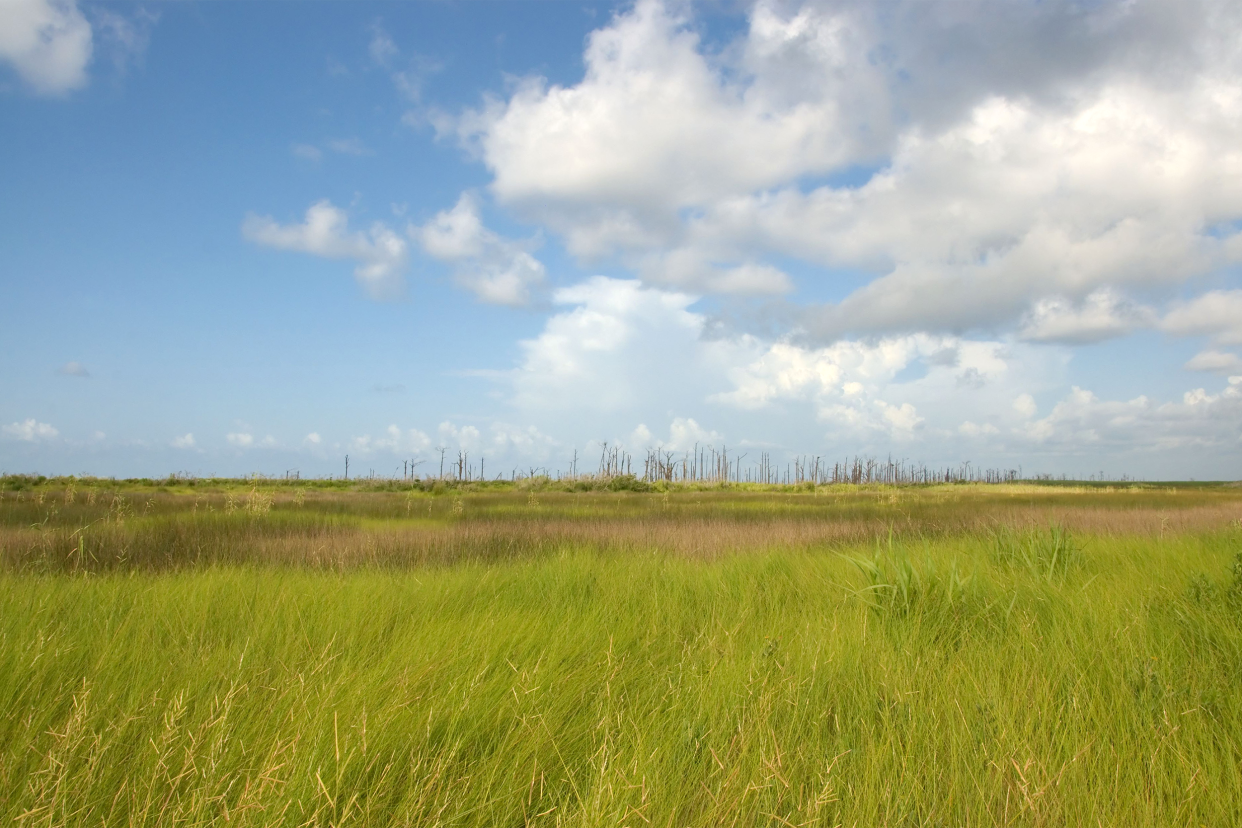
{"type": "Point", "coordinates": [967, 666]}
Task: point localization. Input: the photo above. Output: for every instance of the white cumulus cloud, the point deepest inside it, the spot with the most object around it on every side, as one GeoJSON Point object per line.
{"type": "Point", "coordinates": [1216, 314]}
{"type": "Point", "coordinates": [1103, 314]}
{"type": "Point", "coordinates": [496, 270]}
{"type": "Point", "coordinates": [1083, 423]}
{"type": "Point", "coordinates": [685, 432]}
{"type": "Point", "coordinates": [48, 42]}
{"type": "Point", "coordinates": [524, 441]}
{"type": "Point", "coordinates": [394, 440]}
{"type": "Point", "coordinates": [1217, 362]}
{"type": "Point", "coordinates": [654, 127]}
{"type": "Point", "coordinates": [30, 431]}
{"type": "Point", "coordinates": [380, 252]}
{"type": "Point", "coordinates": [613, 343]}
{"type": "Point", "coordinates": [988, 167]}
{"type": "Point", "coordinates": [464, 438]}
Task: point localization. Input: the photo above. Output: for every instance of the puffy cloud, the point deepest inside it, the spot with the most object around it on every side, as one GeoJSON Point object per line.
{"type": "Point", "coordinates": [1024, 404]}
{"type": "Point", "coordinates": [30, 431]}
{"type": "Point", "coordinates": [495, 270]}
{"type": "Point", "coordinates": [381, 253]}
{"type": "Point", "coordinates": [240, 439]}
{"type": "Point", "coordinates": [184, 442]}
{"type": "Point", "coordinates": [617, 353]}
{"type": "Point", "coordinates": [1022, 164]}
{"type": "Point", "coordinates": [612, 345]}
{"type": "Point", "coordinates": [1016, 205]}
{"type": "Point", "coordinates": [497, 445]}
{"type": "Point", "coordinates": [693, 269]}
{"type": "Point", "coordinates": [640, 437]}
{"type": "Point", "coordinates": [1103, 314]}
{"type": "Point", "coordinates": [653, 127]}
{"type": "Point", "coordinates": [621, 350]}
{"type": "Point", "coordinates": [313, 439]}
{"type": "Point", "coordinates": [466, 438]}
{"type": "Point", "coordinates": [684, 433]}
{"type": "Point", "coordinates": [1084, 423]}
{"type": "Point", "coordinates": [48, 42]}
{"type": "Point", "coordinates": [1216, 362]}
{"type": "Point", "coordinates": [901, 419]}
{"type": "Point", "coordinates": [846, 382]}
{"type": "Point", "coordinates": [525, 438]}
{"type": "Point", "coordinates": [789, 371]}
{"type": "Point", "coordinates": [394, 440]}
{"type": "Point", "coordinates": [526, 442]}
{"type": "Point", "coordinates": [1217, 314]}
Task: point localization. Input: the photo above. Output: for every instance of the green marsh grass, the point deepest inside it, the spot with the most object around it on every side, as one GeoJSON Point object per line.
{"type": "Point", "coordinates": [976, 662]}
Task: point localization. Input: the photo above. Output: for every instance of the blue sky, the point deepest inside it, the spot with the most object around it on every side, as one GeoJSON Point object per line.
{"type": "Point", "coordinates": [254, 237]}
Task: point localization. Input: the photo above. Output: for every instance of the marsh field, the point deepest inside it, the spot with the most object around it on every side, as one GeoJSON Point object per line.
{"type": "Point", "coordinates": [263, 653]}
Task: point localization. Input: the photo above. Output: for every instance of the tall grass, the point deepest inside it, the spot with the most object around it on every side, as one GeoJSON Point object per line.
{"type": "Point", "coordinates": [1006, 674]}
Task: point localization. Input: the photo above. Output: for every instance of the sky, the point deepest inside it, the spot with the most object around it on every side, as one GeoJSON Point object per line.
{"type": "Point", "coordinates": [254, 238]}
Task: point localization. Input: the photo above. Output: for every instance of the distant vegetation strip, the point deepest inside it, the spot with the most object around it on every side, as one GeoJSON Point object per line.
{"type": "Point", "coordinates": [96, 526]}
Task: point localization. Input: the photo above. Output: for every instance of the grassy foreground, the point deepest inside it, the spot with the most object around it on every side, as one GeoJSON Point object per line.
{"type": "Point", "coordinates": [916, 670]}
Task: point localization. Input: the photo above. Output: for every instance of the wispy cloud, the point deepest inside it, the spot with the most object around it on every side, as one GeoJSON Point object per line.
{"type": "Point", "coordinates": [124, 37]}
{"type": "Point", "coordinates": [349, 146]}
{"type": "Point", "coordinates": [307, 152]}
{"type": "Point", "coordinates": [382, 49]}
{"type": "Point", "coordinates": [409, 73]}
{"type": "Point", "coordinates": [341, 146]}
{"type": "Point", "coordinates": [73, 369]}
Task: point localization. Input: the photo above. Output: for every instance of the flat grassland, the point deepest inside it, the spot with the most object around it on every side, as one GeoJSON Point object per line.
{"type": "Point", "coordinates": [213, 652]}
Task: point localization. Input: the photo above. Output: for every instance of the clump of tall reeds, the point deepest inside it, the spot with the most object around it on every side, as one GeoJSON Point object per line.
{"type": "Point", "coordinates": [1047, 554]}
{"type": "Point", "coordinates": [1205, 591]}
{"type": "Point", "coordinates": [258, 502]}
{"type": "Point", "coordinates": [897, 586]}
